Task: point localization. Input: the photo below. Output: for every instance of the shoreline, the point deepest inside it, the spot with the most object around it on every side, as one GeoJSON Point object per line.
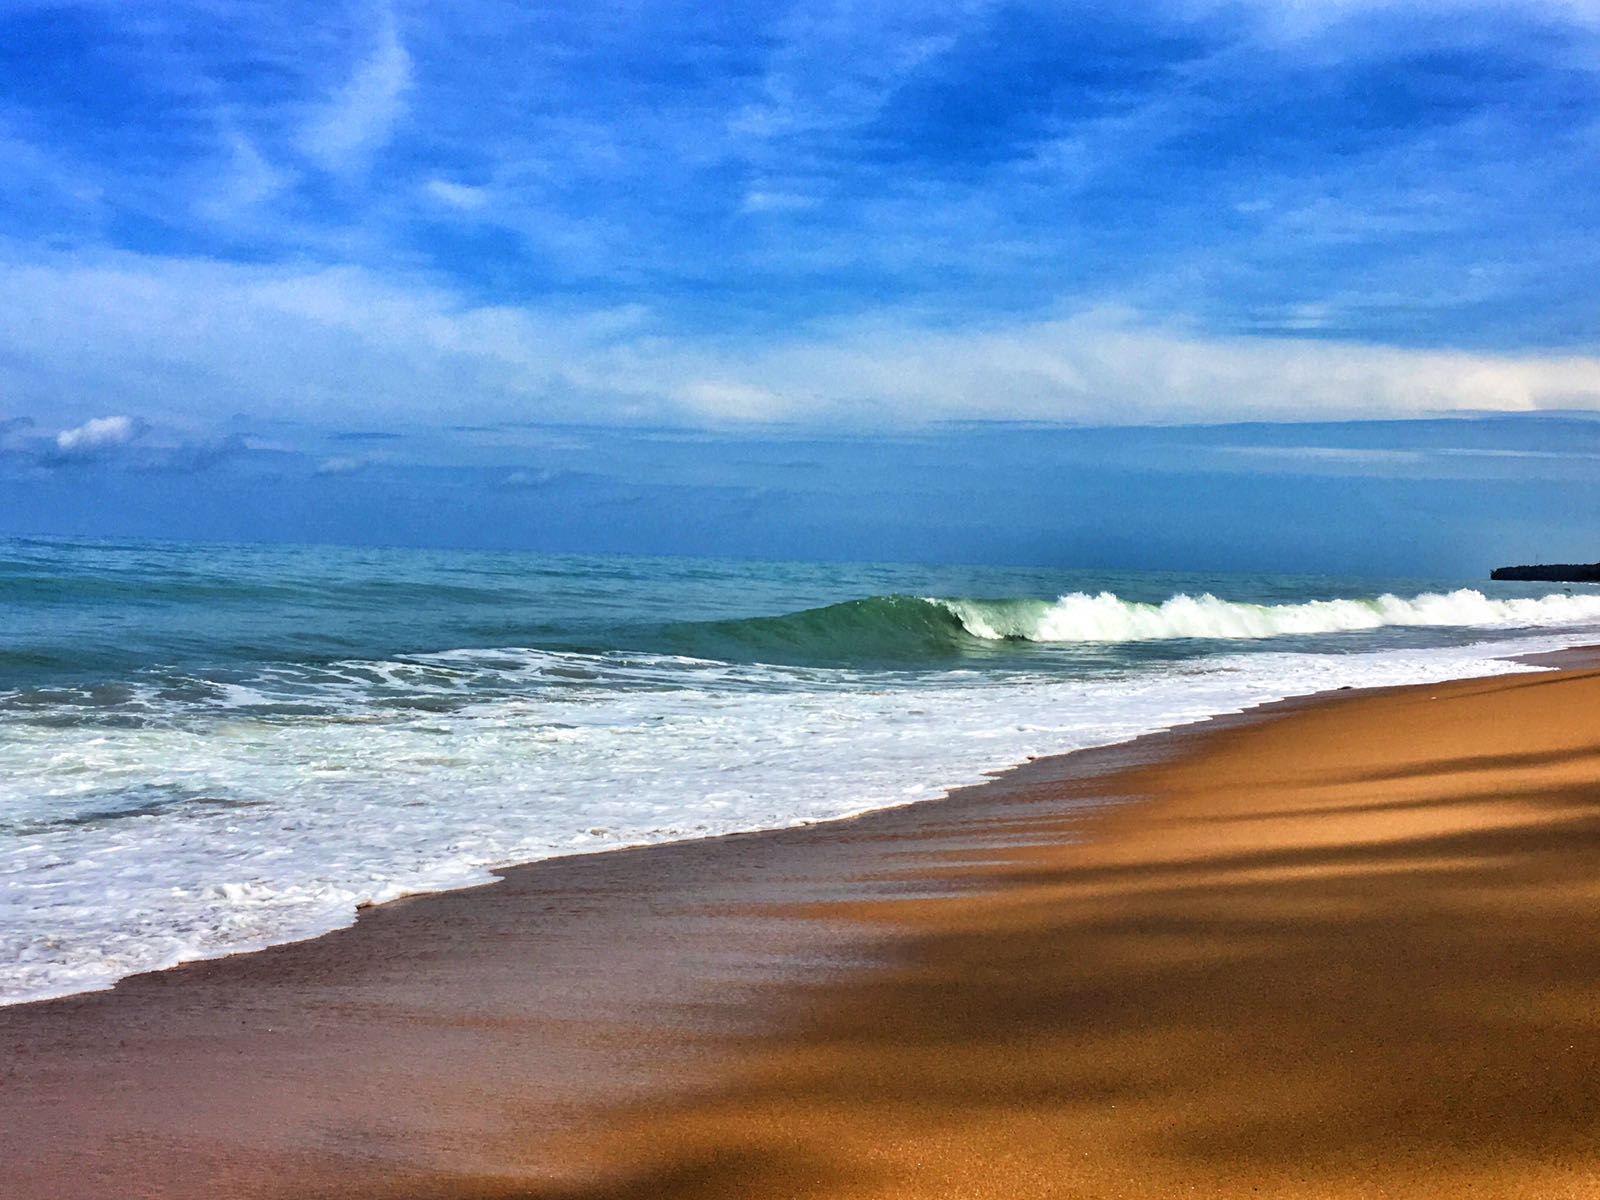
{"type": "Point", "coordinates": [702, 939]}
{"type": "Point", "coordinates": [489, 873]}
{"type": "Point", "coordinates": [712, 947]}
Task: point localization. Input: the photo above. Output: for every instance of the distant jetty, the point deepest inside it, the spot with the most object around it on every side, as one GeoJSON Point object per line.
{"type": "Point", "coordinates": [1551, 572]}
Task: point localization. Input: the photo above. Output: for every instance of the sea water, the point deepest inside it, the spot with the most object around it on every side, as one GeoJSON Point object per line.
{"type": "Point", "coordinates": [208, 749]}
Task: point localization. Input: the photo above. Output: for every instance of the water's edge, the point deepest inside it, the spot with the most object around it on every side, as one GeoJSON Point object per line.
{"type": "Point", "coordinates": [1096, 759]}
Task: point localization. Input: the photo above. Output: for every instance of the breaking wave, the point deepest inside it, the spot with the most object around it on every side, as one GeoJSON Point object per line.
{"type": "Point", "coordinates": [1105, 617]}
{"type": "Point", "coordinates": [903, 628]}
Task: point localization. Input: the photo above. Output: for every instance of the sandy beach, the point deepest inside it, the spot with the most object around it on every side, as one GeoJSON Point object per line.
{"type": "Point", "coordinates": [806, 601]}
{"type": "Point", "coordinates": [1337, 948]}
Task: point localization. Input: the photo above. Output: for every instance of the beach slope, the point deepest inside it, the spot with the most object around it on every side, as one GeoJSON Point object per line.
{"type": "Point", "coordinates": [1343, 948]}
{"type": "Point", "coordinates": [1353, 950]}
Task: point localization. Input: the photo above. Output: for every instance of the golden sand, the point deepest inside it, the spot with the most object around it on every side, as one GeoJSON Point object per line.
{"type": "Point", "coordinates": [1352, 950]}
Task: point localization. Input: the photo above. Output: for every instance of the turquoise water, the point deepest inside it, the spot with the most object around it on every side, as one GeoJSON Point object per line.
{"type": "Point", "coordinates": [99, 612]}
{"type": "Point", "coordinates": [209, 748]}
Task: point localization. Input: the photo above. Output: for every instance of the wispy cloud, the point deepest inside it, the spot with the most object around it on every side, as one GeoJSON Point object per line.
{"type": "Point", "coordinates": [364, 344]}
{"type": "Point", "coordinates": [249, 182]}
{"type": "Point", "coordinates": [827, 213]}
{"type": "Point", "coordinates": [341, 464]}
{"type": "Point", "coordinates": [460, 196]}
{"type": "Point", "coordinates": [760, 200]}
{"type": "Point", "coordinates": [531, 480]}
{"type": "Point", "coordinates": [1330, 454]}
{"type": "Point", "coordinates": [360, 116]}
{"type": "Point", "coordinates": [365, 435]}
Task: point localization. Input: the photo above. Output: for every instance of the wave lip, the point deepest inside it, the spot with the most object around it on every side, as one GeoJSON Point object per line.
{"type": "Point", "coordinates": [912, 629]}
{"type": "Point", "coordinates": [1106, 617]}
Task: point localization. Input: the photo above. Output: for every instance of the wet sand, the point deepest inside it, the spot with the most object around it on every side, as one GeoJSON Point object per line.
{"type": "Point", "coordinates": [1341, 948]}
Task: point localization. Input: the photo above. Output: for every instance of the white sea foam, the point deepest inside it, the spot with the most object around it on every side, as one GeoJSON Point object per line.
{"type": "Point", "coordinates": [128, 847]}
{"type": "Point", "coordinates": [1105, 617]}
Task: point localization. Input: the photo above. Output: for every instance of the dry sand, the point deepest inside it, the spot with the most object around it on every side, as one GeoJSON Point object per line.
{"type": "Point", "coordinates": [1352, 949]}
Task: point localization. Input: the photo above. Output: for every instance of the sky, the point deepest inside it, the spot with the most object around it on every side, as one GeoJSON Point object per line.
{"type": "Point", "coordinates": [1250, 285]}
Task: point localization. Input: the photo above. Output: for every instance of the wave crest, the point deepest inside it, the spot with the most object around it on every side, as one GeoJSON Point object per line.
{"type": "Point", "coordinates": [1106, 617]}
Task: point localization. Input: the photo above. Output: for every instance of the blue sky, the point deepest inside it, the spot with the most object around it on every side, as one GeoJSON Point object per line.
{"type": "Point", "coordinates": [1042, 282]}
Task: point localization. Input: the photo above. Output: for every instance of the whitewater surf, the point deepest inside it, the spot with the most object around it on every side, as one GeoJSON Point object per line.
{"type": "Point", "coordinates": [209, 749]}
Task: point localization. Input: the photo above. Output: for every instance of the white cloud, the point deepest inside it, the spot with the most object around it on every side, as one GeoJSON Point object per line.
{"type": "Point", "coordinates": [722, 399]}
{"type": "Point", "coordinates": [184, 341]}
{"type": "Point", "coordinates": [457, 195]}
{"type": "Point", "coordinates": [1108, 368]}
{"type": "Point", "coordinates": [361, 116]}
{"type": "Point", "coordinates": [100, 433]}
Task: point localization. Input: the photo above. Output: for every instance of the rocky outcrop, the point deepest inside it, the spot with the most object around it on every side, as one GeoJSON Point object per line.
{"type": "Point", "coordinates": [1551, 572]}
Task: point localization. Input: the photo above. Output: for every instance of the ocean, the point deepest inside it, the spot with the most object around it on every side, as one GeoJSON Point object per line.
{"type": "Point", "coordinates": [209, 749]}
